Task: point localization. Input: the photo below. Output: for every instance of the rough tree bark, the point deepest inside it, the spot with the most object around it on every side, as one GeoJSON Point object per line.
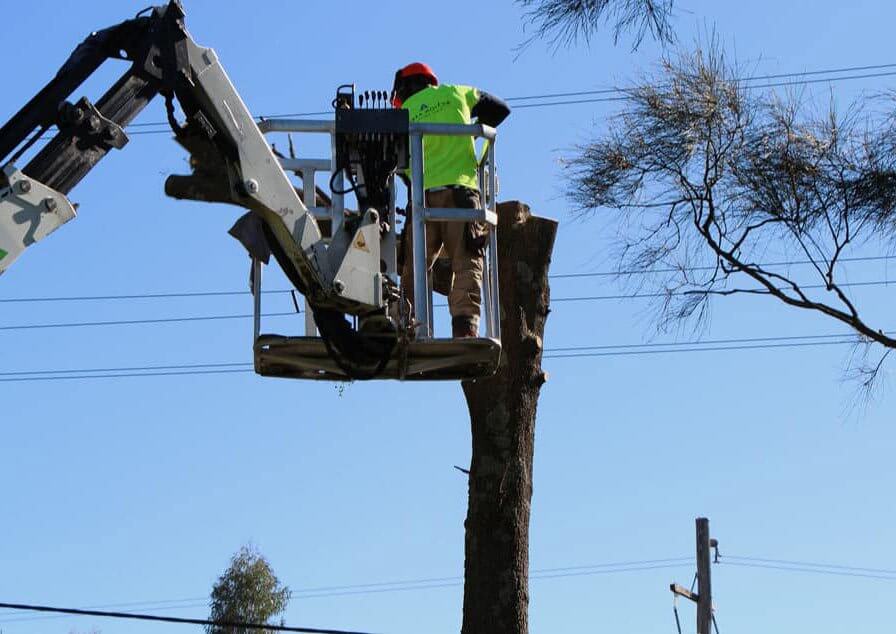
{"type": "Point", "coordinates": [502, 417]}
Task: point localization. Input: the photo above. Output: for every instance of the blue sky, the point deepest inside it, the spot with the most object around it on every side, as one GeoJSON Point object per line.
{"type": "Point", "coordinates": [139, 490]}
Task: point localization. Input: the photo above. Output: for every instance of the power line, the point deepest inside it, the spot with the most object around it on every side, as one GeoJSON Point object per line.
{"type": "Point", "coordinates": [555, 276]}
{"type": "Point", "coordinates": [557, 300]}
{"type": "Point", "coordinates": [257, 118]}
{"type": "Point", "coordinates": [573, 352]}
{"type": "Point", "coordinates": [122, 375]}
{"type": "Point", "coordinates": [758, 291]}
{"type": "Point", "coordinates": [247, 370]}
{"type": "Point", "coordinates": [94, 298]}
{"type": "Point", "coordinates": [166, 129]}
{"type": "Point", "coordinates": [604, 91]}
{"type": "Point", "coordinates": [610, 91]}
{"type": "Point", "coordinates": [135, 322]}
{"type": "Point", "coordinates": [127, 604]}
{"type": "Point", "coordinates": [149, 368]}
{"type": "Point", "coordinates": [817, 571]}
{"type": "Point", "coordinates": [823, 80]}
{"type": "Point", "coordinates": [155, 608]}
{"type": "Point", "coordinates": [444, 582]}
{"type": "Point", "coordinates": [537, 574]}
{"type": "Point", "coordinates": [547, 104]}
{"type": "Point", "coordinates": [768, 85]}
{"type": "Point", "coordinates": [532, 577]}
{"type": "Point", "coordinates": [406, 585]}
{"type": "Point", "coordinates": [620, 347]}
{"type": "Point", "coordinates": [546, 573]}
{"type": "Point", "coordinates": [811, 564]}
{"type": "Point", "coordinates": [629, 346]}
{"type": "Point", "coordinates": [173, 619]}
{"type": "Point", "coordinates": [634, 353]}
{"type": "Point", "coordinates": [625, 272]}
{"type": "Point", "coordinates": [614, 91]}
{"type": "Point", "coordinates": [783, 84]}
{"type": "Point", "coordinates": [431, 586]}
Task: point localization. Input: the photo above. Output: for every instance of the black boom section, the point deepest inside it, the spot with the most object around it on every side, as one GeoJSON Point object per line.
{"type": "Point", "coordinates": [86, 131]}
{"type": "Point", "coordinates": [41, 111]}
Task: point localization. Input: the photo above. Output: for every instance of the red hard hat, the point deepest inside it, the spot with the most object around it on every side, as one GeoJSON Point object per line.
{"type": "Point", "coordinates": [419, 68]}
{"type": "Point", "coordinates": [413, 70]}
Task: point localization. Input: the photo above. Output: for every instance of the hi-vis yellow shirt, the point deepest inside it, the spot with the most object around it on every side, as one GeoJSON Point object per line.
{"type": "Point", "coordinates": [447, 160]}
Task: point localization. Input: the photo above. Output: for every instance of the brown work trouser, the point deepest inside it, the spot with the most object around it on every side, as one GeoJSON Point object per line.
{"type": "Point", "coordinates": [450, 240]}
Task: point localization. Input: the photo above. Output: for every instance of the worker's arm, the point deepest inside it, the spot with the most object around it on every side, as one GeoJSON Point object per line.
{"type": "Point", "coordinates": [490, 110]}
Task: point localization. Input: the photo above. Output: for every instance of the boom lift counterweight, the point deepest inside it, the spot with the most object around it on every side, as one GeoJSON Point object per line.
{"type": "Point", "coordinates": [350, 270]}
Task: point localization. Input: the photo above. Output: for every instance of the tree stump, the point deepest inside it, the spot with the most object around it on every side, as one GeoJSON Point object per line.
{"type": "Point", "coordinates": [502, 418]}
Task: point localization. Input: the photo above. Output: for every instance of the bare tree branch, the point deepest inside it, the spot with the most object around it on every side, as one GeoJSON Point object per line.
{"type": "Point", "coordinates": [565, 22]}
{"type": "Point", "coordinates": [865, 374]}
{"type": "Point", "coordinates": [707, 175]}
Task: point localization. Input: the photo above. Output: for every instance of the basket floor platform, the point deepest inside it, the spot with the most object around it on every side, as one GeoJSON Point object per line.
{"type": "Point", "coordinates": [427, 360]}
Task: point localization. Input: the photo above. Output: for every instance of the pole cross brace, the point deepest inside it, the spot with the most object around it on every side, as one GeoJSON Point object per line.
{"type": "Point", "coordinates": [684, 592]}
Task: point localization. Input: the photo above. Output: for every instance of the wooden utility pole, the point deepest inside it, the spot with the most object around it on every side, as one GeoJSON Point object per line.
{"type": "Point", "coordinates": [704, 584]}
{"type": "Point", "coordinates": [703, 596]}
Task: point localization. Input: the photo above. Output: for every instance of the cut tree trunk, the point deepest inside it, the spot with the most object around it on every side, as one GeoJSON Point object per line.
{"type": "Point", "coordinates": [502, 419]}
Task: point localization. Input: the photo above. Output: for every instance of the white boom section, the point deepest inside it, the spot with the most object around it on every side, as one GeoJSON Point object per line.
{"type": "Point", "coordinates": [29, 211]}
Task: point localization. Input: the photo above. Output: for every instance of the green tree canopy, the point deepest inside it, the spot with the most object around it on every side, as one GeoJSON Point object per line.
{"type": "Point", "coordinates": [247, 592]}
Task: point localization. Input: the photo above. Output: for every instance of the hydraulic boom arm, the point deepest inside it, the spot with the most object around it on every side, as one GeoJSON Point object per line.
{"type": "Point", "coordinates": [233, 160]}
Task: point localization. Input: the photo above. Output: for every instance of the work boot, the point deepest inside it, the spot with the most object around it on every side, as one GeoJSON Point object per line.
{"type": "Point", "coordinates": [463, 327]}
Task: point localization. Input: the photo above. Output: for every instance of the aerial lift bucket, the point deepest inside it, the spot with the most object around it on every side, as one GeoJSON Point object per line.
{"type": "Point", "coordinates": [411, 352]}
{"type": "Point", "coordinates": [426, 360]}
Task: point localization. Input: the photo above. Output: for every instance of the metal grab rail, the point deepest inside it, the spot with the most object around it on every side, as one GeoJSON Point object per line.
{"type": "Point", "coordinates": [309, 167]}
{"type": "Point", "coordinates": [477, 130]}
{"type": "Point", "coordinates": [419, 212]}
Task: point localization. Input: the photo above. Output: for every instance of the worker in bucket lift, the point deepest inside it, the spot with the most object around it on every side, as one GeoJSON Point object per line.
{"type": "Point", "coordinates": [449, 180]}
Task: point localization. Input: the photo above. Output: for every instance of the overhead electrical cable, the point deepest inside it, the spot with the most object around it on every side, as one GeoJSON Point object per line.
{"type": "Point", "coordinates": [571, 352]}
{"type": "Point", "coordinates": [836, 75]}
{"type": "Point", "coordinates": [555, 276]}
{"type": "Point", "coordinates": [95, 298]}
{"type": "Point", "coordinates": [126, 604]}
{"type": "Point", "coordinates": [147, 368]}
{"type": "Point", "coordinates": [236, 625]}
{"type": "Point", "coordinates": [624, 97]}
{"type": "Point", "coordinates": [289, 115]}
{"type": "Point", "coordinates": [634, 353]}
{"type": "Point", "coordinates": [248, 370]}
{"type": "Point", "coordinates": [758, 291]}
{"type": "Point", "coordinates": [811, 564]}
{"type": "Point", "coordinates": [630, 272]}
{"type": "Point", "coordinates": [121, 375]}
{"type": "Point", "coordinates": [782, 84]}
{"type": "Point", "coordinates": [698, 342]}
{"type": "Point", "coordinates": [396, 586]}
{"type": "Point", "coordinates": [137, 322]}
{"type": "Point", "coordinates": [556, 300]}
{"type": "Point", "coordinates": [816, 571]}
{"type": "Point", "coordinates": [605, 91]}
{"type": "Point", "coordinates": [542, 573]}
